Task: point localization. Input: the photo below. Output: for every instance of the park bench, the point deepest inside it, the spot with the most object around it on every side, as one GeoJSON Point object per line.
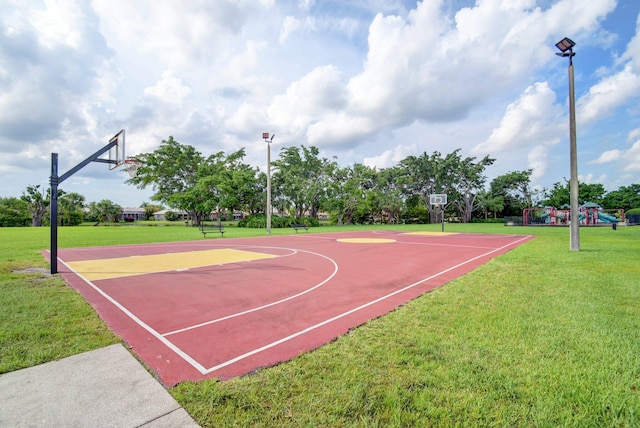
{"type": "Point", "coordinates": [204, 229]}
{"type": "Point", "coordinates": [300, 226]}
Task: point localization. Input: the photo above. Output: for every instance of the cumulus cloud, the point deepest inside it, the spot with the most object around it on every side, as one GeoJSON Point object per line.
{"type": "Point", "coordinates": [530, 120]}
{"type": "Point", "coordinates": [431, 68]}
{"type": "Point", "coordinates": [632, 158]}
{"type": "Point", "coordinates": [390, 157]}
{"type": "Point", "coordinates": [610, 93]}
{"type": "Point", "coordinates": [627, 160]}
{"type": "Point", "coordinates": [169, 90]}
{"type": "Point", "coordinates": [51, 72]}
{"type": "Point", "coordinates": [215, 74]}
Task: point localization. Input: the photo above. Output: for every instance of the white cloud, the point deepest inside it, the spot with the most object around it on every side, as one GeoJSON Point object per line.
{"type": "Point", "coordinates": [633, 49]}
{"type": "Point", "coordinates": [627, 160]}
{"type": "Point", "coordinates": [390, 157]}
{"type": "Point", "coordinates": [317, 94]}
{"type": "Point", "coordinates": [339, 75]}
{"type": "Point", "coordinates": [609, 156]}
{"type": "Point", "coordinates": [632, 158]}
{"type": "Point", "coordinates": [289, 26]}
{"type": "Point", "coordinates": [169, 90]}
{"type": "Point", "coordinates": [610, 93]}
{"type": "Point", "coordinates": [538, 159]}
{"type": "Point", "coordinates": [530, 120]}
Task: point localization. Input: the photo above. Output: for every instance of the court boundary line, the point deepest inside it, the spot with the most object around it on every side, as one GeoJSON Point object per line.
{"type": "Point", "coordinates": [354, 310]}
{"type": "Point", "coordinates": [268, 305]}
{"type": "Point", "coordinates": [141, 323]}
{"type": "Point", "coordinates": [205, 371]}
{"type": "Point", "coordinates": [160, 336]}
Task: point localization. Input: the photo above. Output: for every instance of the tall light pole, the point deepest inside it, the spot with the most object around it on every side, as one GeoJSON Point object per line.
{"type": "Point", "coordinates": [566, 50]}
{"type": "Point", "coordinates": [268, 140]}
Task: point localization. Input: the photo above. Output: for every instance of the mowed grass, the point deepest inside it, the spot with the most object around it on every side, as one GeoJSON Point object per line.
{"type": "Point", "coordinates": [540, 336]}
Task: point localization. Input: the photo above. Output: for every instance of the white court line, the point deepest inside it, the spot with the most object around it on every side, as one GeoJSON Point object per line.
{"type": "Point", "coordinates": [344, 314]}
{"type": "Point", "coordinates": [141, 323]}
{"type": "Point", "coordinates": [268, 305]}
{"type": "Point", "coordinates": [186, 357]}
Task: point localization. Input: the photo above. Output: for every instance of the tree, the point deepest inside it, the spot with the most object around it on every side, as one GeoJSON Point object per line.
{"type": "Point", "coordinates": [626, 198]}
{"type": "Point", "coordinates": [391, 198]}
{"type": "Point", "coordinates": [591, 193]}
{"type": "Point", "coordinates": [347, 194]}
{"type": "Point", "coordinates": [185, 180]}
{"type": "Point", "coordinates": [172, 172]}
{"type": "Point", "coordinates": [228, 183]}
{"type": "Point", "coordinates": [302, 179]}
{"type": "Point", "coordinates": [467, 180]}
{"type": "Point", "coordinates": [14, 212]}
{"type": "Point", "coordinates": [490, 203]}
{"type": "Point", "coordinates": [38, 202]}
{"type": "Point", "coordinates": [104, 211]}
{"type": "Point", "coordinates": [514, 188]}
{"type": "Point", "coordinates": [425, 175]}
{"type": "Point", "coordinates": [70, 208]}
{"type": "Point", "coordinates": [150, 209]}
{"type": "Point", "coordinates": [560, 194]}
{"type": "Point", "coordinates": [239, 183]}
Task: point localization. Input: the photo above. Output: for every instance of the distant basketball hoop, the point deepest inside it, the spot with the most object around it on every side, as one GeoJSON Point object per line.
{"type": "Point", "coordinates": [131, 167]}
{"type": "Point", "coordinates": [439, 201]}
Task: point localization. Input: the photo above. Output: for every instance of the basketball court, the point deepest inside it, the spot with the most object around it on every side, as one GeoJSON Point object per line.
{"type": "Point", "coordinates": [220, 308]}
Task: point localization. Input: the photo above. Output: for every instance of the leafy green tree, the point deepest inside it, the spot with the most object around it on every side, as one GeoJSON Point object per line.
{"type": "Point", "coordinates": [70, 208]}
{"type": "Point", "coordinates": [560, 194]}
{"type": "Point", "coordinates": [104, 211]}
{"type": "Point", "coordinates": [38, 203]}
{"type": "Point", "coordinates": [557, 196]}
{"type": "Point", "coordinates": [490, 203]}
{"type": "Point", "coordinates": [184, 179]}
{"type": "Point", "coordinates": [232, 183]}
{"type": "Point", "coordinates": [391, 199]}
{"type": "Point", "coordinates": [515, 189]}
{"type": "Point", "coordinates": [425, 175]}
{"type": "Point", "coordinates": [14, 212]}
{"type": "Point", "coordinates": [150, 209]}
{"type": "Point", "coordinates": [302, 179]}
{"type": "Point", "coordinates": [348, 193]}
{"type": "Point", "coordinates": [467, 180]}
{"type": "Point", "coordinates": [172, 172]}
{"type": "Point", "coordinates": [591, 193]}
{"type": "Point", "coordinates": [626, 197]}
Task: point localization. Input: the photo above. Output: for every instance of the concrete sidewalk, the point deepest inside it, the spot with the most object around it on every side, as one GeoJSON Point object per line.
{"type": "Point", "coordinates": [103, 388]}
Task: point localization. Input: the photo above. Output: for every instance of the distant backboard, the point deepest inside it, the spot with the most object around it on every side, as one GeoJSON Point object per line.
{"type": "Point", "coordinates": [438, 199]}
{"type": "Point", "coordinates": [117, 153]}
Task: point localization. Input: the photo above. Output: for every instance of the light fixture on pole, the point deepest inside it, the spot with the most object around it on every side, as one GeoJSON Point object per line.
{"type": "Point", "coordinates": [268, 140]}
{"type": "Point", "coordinates": [566, 50]}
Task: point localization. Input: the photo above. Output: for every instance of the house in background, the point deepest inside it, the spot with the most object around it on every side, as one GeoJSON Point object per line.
{"type": "Point", "coordinates": [161, 215]}
{"type": "Point", "coordinates": [132, 214]}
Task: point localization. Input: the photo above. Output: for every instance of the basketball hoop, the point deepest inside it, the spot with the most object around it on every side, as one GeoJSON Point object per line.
{"type": "Point", "coordinates": [131, 167]}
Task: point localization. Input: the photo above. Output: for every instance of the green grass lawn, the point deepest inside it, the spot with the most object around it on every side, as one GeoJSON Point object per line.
{"type": "Point", "coordinates": [541, 336]}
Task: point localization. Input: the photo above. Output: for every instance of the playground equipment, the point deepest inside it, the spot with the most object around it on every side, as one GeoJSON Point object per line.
{"type": "Point", "coordinates": [590, 214]}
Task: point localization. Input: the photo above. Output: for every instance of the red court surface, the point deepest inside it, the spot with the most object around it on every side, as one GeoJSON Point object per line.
{"type": "Point", "coordinates": [220, 308]}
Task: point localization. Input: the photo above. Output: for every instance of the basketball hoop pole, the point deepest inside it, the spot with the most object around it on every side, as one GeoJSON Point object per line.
{"type": "Point", "coordinates": [54, 180]}
{"type": "Point", "coordinates": [439, 201]}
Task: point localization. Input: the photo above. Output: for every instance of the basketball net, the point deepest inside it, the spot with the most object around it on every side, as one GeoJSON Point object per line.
{"type": "Point", "coordinates": [131, 167]}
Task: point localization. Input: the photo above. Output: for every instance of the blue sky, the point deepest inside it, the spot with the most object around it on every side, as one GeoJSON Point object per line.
{"type": "Point", "coordinates": [365, 81]}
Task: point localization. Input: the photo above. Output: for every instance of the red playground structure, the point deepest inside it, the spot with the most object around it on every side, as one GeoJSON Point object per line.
{"type": "Point", "coordinates": [590, 214]}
